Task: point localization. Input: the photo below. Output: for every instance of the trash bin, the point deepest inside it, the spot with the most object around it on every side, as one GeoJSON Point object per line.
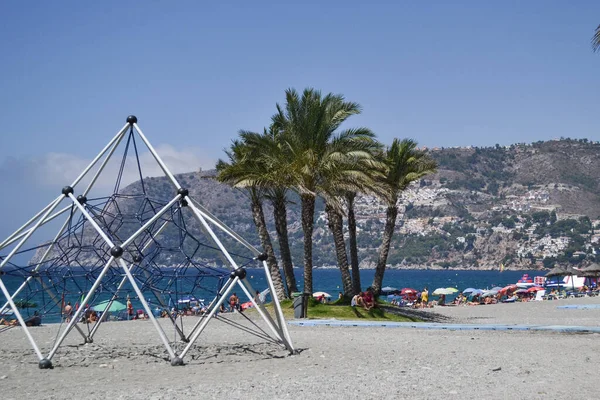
{"type": "Point", "coordinates": [300, 304]}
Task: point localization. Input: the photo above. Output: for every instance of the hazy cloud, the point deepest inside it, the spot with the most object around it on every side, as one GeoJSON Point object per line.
{"type": "Point", "coordinates": [56, 170]}
{"type": "Point", "coordinates": [28, 184]}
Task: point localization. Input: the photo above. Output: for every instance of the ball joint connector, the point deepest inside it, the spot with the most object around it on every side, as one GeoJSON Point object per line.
{"type": "Point", "coordinates": [177, 361]}
{"type": "Point", "coordinates": [81, 199]}
{"type": "Point", "coordinates": [45, 364]}
{"type": "Point", "coordinates": [132, 119]}
{"type": "Point", "coordinates": [67, 190]}
{"type": "Point", "coordinates": [239, 273]}
{"type": "Point", "coordinates": [137, 258]}
{"type": "Point", "coordinates": [262, 257]}
{"type": "Point", "coordinates": [116, 251]}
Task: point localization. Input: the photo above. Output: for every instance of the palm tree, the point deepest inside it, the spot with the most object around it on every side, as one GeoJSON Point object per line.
{"type": "Point", "coordinates": [309, 124]}
{"type": "Point", "coordinates": [352, 242]}
{"type": "Point", "coordinates": [243, 170]}
{"type": "Point", "coordinates": [274, 160]}
{"type": "Point", "coordinates": [596, 39]}
{"type": "Point", "coordinates": [404, 165]}
{"type": "Point", "coordinates": [336, 190]}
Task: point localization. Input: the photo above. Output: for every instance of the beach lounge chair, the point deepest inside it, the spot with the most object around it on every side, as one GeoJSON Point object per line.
{"type": "Point", "coordinates": [539, 295]}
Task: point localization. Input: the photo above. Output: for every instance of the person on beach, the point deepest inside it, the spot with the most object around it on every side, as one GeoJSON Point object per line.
{"type": "Point", "coordinates": [424, 297]}
{"type": "Point", "coordinates": [129, 308]}
{"type": "Point", "coordinates": [357, 300]}
{"type": "Point", "coordinates": [7, 322]}
{"type": "Point", "coordinates": [68, 312]}
{"type": "Point", "coordinates": [368, 299]}
{"type": "Point", "coordinates": [233, 302]}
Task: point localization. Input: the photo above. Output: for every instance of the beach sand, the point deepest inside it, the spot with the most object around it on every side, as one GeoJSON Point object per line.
{"type": "Point", "coordinates": [126, 361]}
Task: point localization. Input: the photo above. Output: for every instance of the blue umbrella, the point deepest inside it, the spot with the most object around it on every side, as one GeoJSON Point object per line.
{"type": "Point", "coordinates": [469, 290]}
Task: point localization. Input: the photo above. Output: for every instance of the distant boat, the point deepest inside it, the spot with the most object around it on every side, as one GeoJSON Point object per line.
{"type": "Point", "coordinates": [525, 282]}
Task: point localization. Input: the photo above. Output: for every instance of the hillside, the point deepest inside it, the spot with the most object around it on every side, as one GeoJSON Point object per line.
{"type": "Point", "coordinates": [524, 206]}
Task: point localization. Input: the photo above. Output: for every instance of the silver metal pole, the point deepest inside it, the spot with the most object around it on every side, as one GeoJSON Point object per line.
{"type": "Point", "coordinates": [124, 279]}
{"type": "Point", "coordinates": [18, 231]}
{"type": "Point", "coordinates": [16, 312]}
{"type": "Point", "coordinates": [95, 160]}
{"type": "Point", "coordinates": [210, 217]}
{"type": "Point", "coordinates": [212, 303]}
{"type": "Point", "coordinates": [30, 232]}
{"type": "Point", "coordinates": [44, 222]}
{"type": "Point", "coordinates": [234, 265]}
{"type": "Point", "coordinates": [38, 266]}
{"type": "Point", "coordinates": [206, 319]}
{"type": "Point", "coordinates": [90, 219]}
{"type": "Point", "coordinates": [106, 159]}
{"type": "Point", "coordinates": [263, 313]}
{"type": "Point", "coordinates": [278, 310]}
{"type": "Point", "coordinates": [161, 333]}
{"type": "Point", "coordinates": [211, 233]}
{"type": "Point", "coordinates": [78, 312]}
{"type": "Point", "coordinates": [21, 321]}
{"type": "Point", "coordinates": [151, 221]}
{"type": "Point", "coordinates": [46, 219]}
{"type": "Point", "coordinates": [157, 157]}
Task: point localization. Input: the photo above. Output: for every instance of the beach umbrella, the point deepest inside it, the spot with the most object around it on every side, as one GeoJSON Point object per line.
{"type": "Point", "coordinates": [476, 292]}
{"type": "Point", "coordinates": [452, 290]}
{"type": "Point", "coordinates": [469, 290]}
{"type": "Point", "coordinates": [556, 272]}
{"type": "Point", "coordinates": [409, 291]}
{"type": "Point", "coordinates": [491, 292]}
{"type": "Point", "coordinates": [496, 288]}
{"type": "Point", "coordinates": [116, 306]}
{"type": "Point", "coordinates": [508, 288]}
{"type": "Point", "coordinates": [520, 291]}
{"type": "Point", "coordinates": [319, 294]}
{"type": "Point", "coordinates": [570, 271]}
{"type": "Point", "coordinates": [441, 291]}
{"type": "Point", "coordinates": [593, 268]}
{"type": "Point", "coordinates": [591, 271]}
{"type": "Point", "coordinates": [389, 289]}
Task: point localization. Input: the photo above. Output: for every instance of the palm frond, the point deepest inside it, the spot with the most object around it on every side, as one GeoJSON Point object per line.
{"type": "Point", "coordinates": [596, 40]}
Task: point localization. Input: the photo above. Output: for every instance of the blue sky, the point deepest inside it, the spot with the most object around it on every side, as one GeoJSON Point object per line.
{"type": "Point", "coordinates": [444, 73]}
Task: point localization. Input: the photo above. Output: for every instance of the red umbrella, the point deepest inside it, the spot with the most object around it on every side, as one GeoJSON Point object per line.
{"type": "Point", "coordinates": [408, 291]}
{"type": "Point", "coordinates": [508, 288]}
{"type": "Point", "coordinates": [534, 289]}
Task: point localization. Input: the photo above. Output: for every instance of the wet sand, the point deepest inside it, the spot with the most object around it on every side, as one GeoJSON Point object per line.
{"type": "Point", "coordinates": [127, 361]}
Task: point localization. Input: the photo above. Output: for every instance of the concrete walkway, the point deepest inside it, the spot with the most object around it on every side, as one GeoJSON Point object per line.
{"type": "Point", "coordinates": [455, 327]}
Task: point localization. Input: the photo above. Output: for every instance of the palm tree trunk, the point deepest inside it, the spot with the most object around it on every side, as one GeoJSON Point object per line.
{"type": "Point", "coordinates": [384, 250]}
{"type": "Point", "coordinates": [280, 216]}
{"type": "Point", "coordinates": [265, 241]}
{"type": "Point", "coordinates": [356, 286]}
{"type": "Point", "coordinates": [308, 213]}
{"type": "Point", "coordinates": [336, 226]}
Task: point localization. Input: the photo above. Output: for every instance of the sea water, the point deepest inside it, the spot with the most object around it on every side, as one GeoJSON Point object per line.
{"type": "Point", "coordinates": [327, 280]}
